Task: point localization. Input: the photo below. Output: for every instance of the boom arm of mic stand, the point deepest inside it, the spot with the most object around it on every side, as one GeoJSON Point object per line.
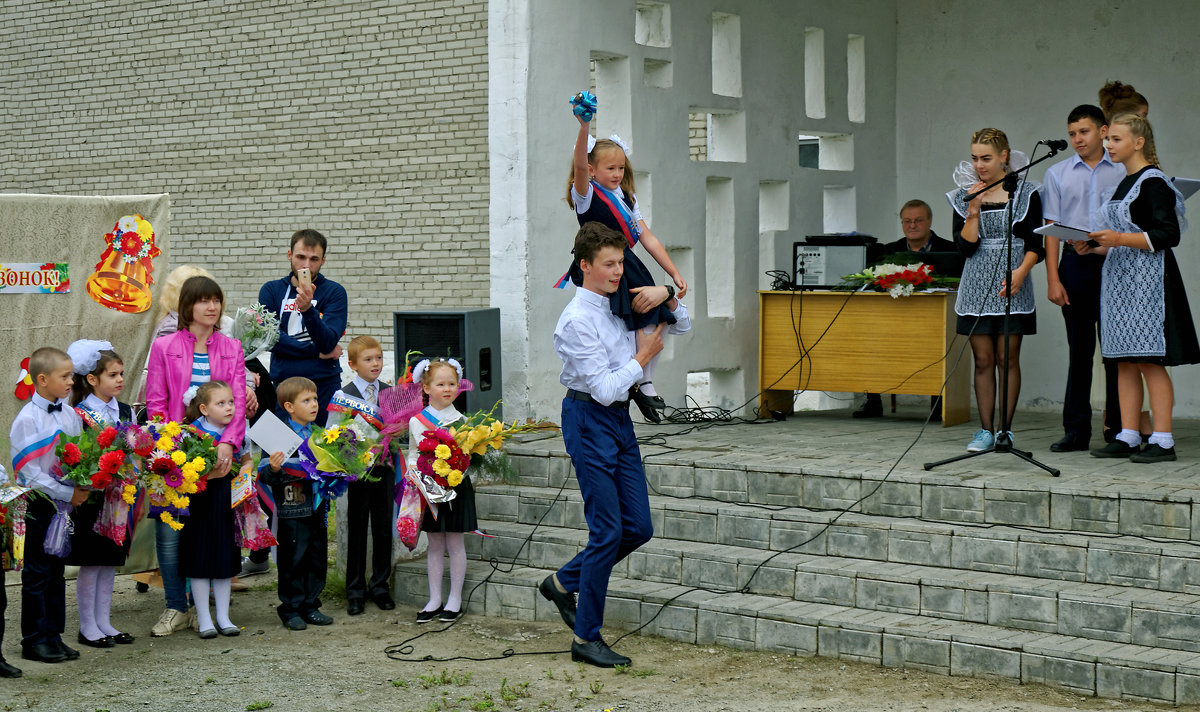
{"type": "Point", "coordinates": [981, 191]}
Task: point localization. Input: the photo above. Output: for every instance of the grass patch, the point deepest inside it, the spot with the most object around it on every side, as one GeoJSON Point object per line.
{"type": "Point", "coordinates": [260, 705]}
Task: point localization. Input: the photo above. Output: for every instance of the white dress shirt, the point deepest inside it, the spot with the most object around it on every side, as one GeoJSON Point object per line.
{"type": "Point", "coordinates": [110, 411]}
{"type": "Point", "coordinates": [33, 425]}
{"type": "Point", "coordinates": [597, 350]}
{"type": "Point", "coordinates": [361, 384]}
{"type": "Point", "coordinates": [416, 429]}
{"type": "Point", "coordinates": [1073, 192]}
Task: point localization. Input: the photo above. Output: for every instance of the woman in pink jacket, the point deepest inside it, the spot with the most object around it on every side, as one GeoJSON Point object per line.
{"type": "Point", "coordinates": [195, 354]}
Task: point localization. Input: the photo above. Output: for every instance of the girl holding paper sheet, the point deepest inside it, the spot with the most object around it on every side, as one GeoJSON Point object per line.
{"type": "Point", "coordinates": [1145, 322]}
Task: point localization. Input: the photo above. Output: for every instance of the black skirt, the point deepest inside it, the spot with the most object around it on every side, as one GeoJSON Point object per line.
{"type": "Point", "coordinates": [206, 543]}
{"type": "Point", "coordinates": [1020, 324]}
{"type": "Point", "coordinates": [621, 301]}
{"type": "Point", "coordinates": [89, 548]}
{"type": "Point", "coordinates": [457, 515]}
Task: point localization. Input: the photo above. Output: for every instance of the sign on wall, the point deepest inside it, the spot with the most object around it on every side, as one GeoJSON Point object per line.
{"type": "Point", "coordinates": [34, 278]}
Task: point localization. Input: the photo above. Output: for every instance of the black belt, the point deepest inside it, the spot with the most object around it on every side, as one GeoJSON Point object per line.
{"type": "Point", "coordinates": [587, 398]}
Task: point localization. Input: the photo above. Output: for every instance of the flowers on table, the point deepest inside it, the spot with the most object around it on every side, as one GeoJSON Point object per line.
{"type": "Point", "coordinates": [339, 455]}
{"type": "Point", "coordinates": [897, 280]}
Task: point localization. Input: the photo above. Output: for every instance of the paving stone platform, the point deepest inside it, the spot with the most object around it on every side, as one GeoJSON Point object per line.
{"type": "Point", "coordinates": [808, 537]}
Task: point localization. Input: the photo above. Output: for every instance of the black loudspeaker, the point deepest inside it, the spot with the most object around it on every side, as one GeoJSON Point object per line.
{"type": "Point", "coordinates": [472, 336]}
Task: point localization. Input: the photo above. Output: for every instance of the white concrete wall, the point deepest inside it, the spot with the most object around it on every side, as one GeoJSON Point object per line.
{"type": "Point", "coordinates": [539, 227]}
{"type": "Point", "coordinates": [1021, 67]}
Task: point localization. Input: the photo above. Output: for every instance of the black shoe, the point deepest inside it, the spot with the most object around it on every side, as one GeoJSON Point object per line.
{"type": "Point", "coordinates": [68, 653]}
{"type": "Point", "coordinates": [355, 607]}
{"type": "Point", "coordinates": [646, 405]}
{"type": "Point", "coordinates": [656, 401]}
{"type": "Point", "coordinates": [104, 642]}
{"type": "Point", "coordinates": [142, 587]}
{"type": "Point", "coordinates": [872, 408]}
{"type": "Point", "coordinates": [1115, 449]}
{"type": "Point", "coordinates": [1070, 443]}
{"type": "Point", "coordinates": [1154, 453]}
{"type": "Point", "coordinates": [564, 601]}
{"type": "Point", "coordinates": [426, 616]}
{"type": "Point", "coordinates": [295, 623]}
{"type": "Point", "coordinates": [316, 617]}
{"type": "Point", "coordinates": [43, 653]}
{"type": "Point", "coordinates": [597, 653]}
{"type": "Point", "coordinates": [7, 670]}
{"type": "Point", "coordinates": [449, 616]}
{"type": "Point", "coordinates": [384, 601]}
{"type": "Point", "coordinates": [122, 638]}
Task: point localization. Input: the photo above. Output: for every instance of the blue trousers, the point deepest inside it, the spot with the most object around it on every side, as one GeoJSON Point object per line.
{"type": "Point", "coordinates": [616, 503]}
{"type": "Point", "coordinates": [166, 547]}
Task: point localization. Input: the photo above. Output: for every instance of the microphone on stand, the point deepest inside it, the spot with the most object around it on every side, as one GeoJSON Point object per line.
{"type": "Point", "coordinates": [1055, 144]}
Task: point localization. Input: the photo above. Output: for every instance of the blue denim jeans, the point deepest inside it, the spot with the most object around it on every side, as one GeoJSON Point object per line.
{"type": "Point", "coordinates": [166, 545]}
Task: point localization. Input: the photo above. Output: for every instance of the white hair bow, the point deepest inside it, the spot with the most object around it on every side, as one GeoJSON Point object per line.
{"type": "Point", "coordinates": [85, 354]}
{"type": "Point", "coordinates": [423, 365]}
{"type": "Point", "coordinates": [611, 137]}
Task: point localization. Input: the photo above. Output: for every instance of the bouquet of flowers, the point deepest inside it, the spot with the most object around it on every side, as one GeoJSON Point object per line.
{"type": "Point", "coordinates": [257, 328]}
{"type": "Point", "coordinates": [337, 456]}
{"type": "Point", "coordinates": [442, 461]}
{"type": "Point", "coordinates": [12, 526]}
{"type": "Point", "coordinates": [897, 280]}
{"type": "Point", "coordinates": [252, 528]}
{"type": "Point", "coordinates": [103, 458]}
{"type": "Point", "coordinates": [482, 437]}
{"type": "Point", "coordinates": [181, 454]}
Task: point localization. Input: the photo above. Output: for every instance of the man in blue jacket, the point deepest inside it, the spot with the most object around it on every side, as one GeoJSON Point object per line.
{"type": "Point", "coordinates": [312, 319]}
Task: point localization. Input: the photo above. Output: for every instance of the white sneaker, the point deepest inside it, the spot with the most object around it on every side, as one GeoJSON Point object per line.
{"type": "Point", "coordinates": [170, 621]}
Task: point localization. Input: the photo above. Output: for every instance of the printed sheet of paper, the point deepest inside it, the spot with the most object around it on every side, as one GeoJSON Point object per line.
{"type": "Point", "coordinates": [1062, 232]}
{"type": "Point", "coordinates": [273, 435]}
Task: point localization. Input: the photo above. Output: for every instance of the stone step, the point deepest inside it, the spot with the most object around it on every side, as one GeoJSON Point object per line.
{"type": "Point", "coordinates": [830, 474]}
{"type": "Point", "coordinates": [750, 621]}
{"type": "Point", "coordinates": [1097, 612]}
{"type": "Point", "coordinates": [1057, 556]}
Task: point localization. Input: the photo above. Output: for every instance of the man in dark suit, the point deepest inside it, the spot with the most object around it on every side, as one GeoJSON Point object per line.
{"type": "Point", "coordinates": [916, 220]}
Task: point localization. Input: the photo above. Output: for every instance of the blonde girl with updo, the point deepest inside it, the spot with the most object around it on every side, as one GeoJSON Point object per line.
{"type": "Point", "coordinates": [981, 228]}
{"type": "Point", "coordinates": [1145, 321]}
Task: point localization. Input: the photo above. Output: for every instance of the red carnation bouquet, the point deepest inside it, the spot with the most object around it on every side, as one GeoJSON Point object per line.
{"type": "Point", "coordinates": [103, 458]}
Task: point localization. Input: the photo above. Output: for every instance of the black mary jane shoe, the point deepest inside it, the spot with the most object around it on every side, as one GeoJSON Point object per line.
{"type": "Point", "coordinates": [1116, 450]}
{"type": "Point", "coordinates": [1154, 453]}
{"type": "Point", "coordinates": [646, 405]}
{"type": "Point", "coordinates": [427, 616]}
{"type": "Point", "coordinates": [597, 652]}
{"type": "Point", "coordinates": [105, 642]}
{"type": "Point", "coordinates": [449, 616]}
{"type": "Point", "coordinates": [122, 638]}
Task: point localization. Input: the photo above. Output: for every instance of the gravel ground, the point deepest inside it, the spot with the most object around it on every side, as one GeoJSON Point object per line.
{"type": "Point", "coordinates": [344, 666]}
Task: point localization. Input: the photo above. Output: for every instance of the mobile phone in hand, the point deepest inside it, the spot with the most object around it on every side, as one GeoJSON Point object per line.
{"type": "Point", "coordinates": [304, 277]}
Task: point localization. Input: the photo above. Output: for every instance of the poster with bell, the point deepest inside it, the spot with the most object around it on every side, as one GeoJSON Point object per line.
{"type": "Point", "coordinates": [75, 267]}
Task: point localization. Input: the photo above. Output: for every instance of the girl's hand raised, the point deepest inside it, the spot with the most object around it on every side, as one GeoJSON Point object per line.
{"type": "Point", "coordinates": [680, 286]}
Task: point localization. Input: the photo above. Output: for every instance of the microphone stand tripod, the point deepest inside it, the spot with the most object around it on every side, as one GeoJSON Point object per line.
{"type": "Point", "coordinates": [1003, 441]}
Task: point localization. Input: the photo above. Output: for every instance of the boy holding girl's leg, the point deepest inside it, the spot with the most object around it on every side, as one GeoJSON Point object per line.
{"type": "Point", "coordinates": [33, 437]}
{"type": "Point", "coordinates": [367, 503]}
{"type": "Point", "coordinates": [301, 553]}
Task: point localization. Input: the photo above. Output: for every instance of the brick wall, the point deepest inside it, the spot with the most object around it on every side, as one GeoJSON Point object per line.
{"type": "Point", "coordinates": [366, 121]}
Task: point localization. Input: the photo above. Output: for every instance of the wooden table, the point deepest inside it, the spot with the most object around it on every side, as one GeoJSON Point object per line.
{"type": "Point", "coordinates": [861, 342]}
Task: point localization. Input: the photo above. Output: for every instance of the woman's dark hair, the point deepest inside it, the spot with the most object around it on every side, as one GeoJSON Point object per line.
{"type": "Point", "coordinates": [81, 388]}
{"type": "Point", "coordinates": [196, 289]}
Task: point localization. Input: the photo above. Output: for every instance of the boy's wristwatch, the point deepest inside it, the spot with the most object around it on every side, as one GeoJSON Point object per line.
{"type": "Point", "coordinates": [670, 292]}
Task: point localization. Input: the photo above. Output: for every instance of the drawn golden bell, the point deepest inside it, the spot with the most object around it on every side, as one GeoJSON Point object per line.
{"type": "Point", "coordinates": [120, 284]}
{"type": "Point", "coordinates": [123, 275]}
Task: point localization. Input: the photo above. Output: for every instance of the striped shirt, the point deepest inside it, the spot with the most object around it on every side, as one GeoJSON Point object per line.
{"type": "Point", "coordinates": [201, 373]}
